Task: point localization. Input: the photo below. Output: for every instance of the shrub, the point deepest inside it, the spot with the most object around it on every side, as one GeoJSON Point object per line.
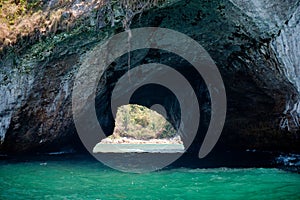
{"type": "Point", "coordinates": [141, 123]}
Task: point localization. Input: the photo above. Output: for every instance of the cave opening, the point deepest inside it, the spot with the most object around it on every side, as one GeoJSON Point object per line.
{"type": "Point", "coordinates": [140, 129]}
{"type": "Point", "coordinates": [153, 96]}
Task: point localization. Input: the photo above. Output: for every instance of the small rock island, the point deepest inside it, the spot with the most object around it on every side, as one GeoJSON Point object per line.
{"type": "Point", "coordinates": [140, 130]}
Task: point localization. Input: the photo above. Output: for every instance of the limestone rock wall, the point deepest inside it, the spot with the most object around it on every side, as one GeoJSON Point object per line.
{"type": "Point", "coordinates": [255, 44]}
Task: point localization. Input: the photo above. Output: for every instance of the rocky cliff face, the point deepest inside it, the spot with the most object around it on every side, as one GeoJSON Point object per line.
{"type": "Point", "coordinates": [280, 23]}
{"type": "Point", "coordinates": [254, 43]}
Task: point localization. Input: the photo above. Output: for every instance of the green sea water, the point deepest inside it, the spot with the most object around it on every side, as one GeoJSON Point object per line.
{"type": "Point", "coordinates": [80, 178]}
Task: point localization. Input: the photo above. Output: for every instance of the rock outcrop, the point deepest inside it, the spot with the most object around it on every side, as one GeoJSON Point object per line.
{"type": "Point", "coordinates": [255, 44]}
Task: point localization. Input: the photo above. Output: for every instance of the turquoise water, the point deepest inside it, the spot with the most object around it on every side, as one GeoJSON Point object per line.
{"type": "Point", "coordinates": [80, 178]}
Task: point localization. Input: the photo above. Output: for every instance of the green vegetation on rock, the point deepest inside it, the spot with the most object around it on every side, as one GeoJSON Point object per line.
{"type": "Point", "coordinates": [10, 10]}
{"type": "Point", "coordinates": [141, 123]}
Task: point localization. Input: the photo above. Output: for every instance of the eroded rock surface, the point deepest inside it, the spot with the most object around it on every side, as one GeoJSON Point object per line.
{"type": "Point", "coordinates": [254, 43]}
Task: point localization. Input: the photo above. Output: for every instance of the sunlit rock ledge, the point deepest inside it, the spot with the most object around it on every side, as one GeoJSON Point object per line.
{"type": "Point", "coordinates": [131, 145]}
{"type": "Point", "coordinates": [126, 140]}
{"type": "Point", "coordinates": [138, 148]}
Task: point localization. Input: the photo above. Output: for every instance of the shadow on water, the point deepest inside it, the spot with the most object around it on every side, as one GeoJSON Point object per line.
{"type": "Point", "coordinates": [230, 159]}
